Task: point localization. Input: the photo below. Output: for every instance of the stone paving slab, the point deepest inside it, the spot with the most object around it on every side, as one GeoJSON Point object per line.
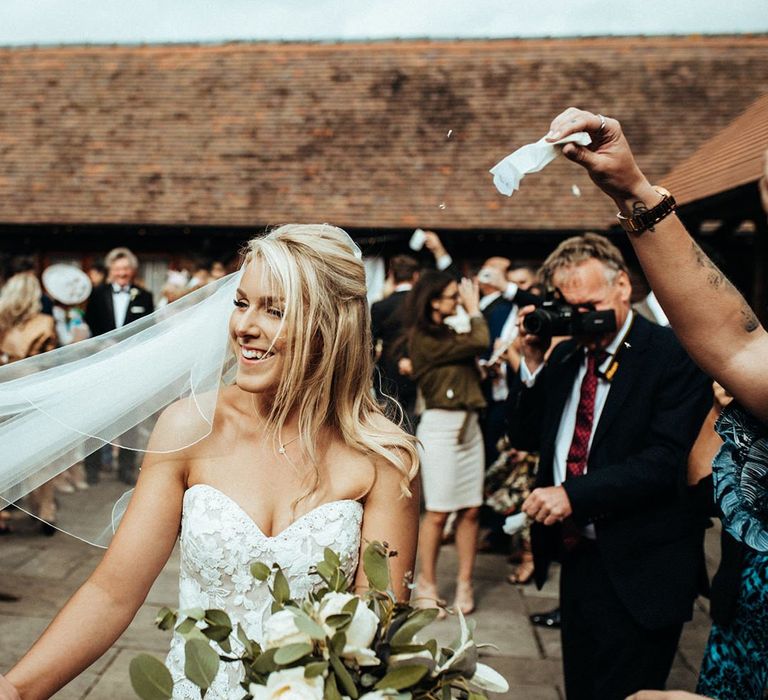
{"type": "Point", "coordinates": [44, 572]}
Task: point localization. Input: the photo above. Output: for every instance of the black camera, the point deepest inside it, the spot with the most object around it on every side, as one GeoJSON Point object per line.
{"type": "Point", "coordinates": [555, 317]}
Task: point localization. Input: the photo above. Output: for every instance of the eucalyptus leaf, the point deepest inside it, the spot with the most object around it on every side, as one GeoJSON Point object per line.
{"type": "Point", "coordinates": [340, 620]}
{"type": "Point", "coordinates": [186, 625]}
{"type": "Point", "coordinates": [376, 566]}
{"type": "Point", "coordinates": [402, 677]}
{"type": "Point", "coordinates": [201, 663]}
{"type": "Point", "coordinates": [338, 642]}
{"type": "Point", "coordinates": [416, 622]}
{"type": "Point", "coordinates": [275, 607]}
{"type": "Point", "coordinates": [331, 690]}
{"type": "Point", "coordinates": [351, 606]}
{"type": "Point", "coordinates": [326, 570]}
{"type": "Point", "coordinates": [331, 557]}
{"type": "Point", "coordinates": [315, 669]}
{"type": "Point", "coordinates": [165, 619]}
{"type": "Point", "coordinates": [344, 677]}
{"type": "Point", "coordinates": [150, 679]}
{"type": "Point", "coordinates": [226, 646]}
{"type": "Point", "coordinates": [217, 633]}
{"type": "Point", "coordinates": [218, 618]}
{"type": "Point", "coordinates": [195, 633]}
{"type": "Point", "coordinates": [476, 696]}
{"type": "Point", "coordinates": [281, 591]}
{"type": "Point", "coordinates": [432, 646]}
{"type": "Point", "coordinates": [260, 571]}
{"type": "Point", "coordinates": [338, 581]}
{"type": "Point", "coordinates": [265, 663]}
{"type": "Point", "coordinates": [307, 625]}
{"type": "Point", "coordinates": [292, 652]}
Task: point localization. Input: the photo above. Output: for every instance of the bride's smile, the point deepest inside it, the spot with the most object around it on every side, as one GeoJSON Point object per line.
{"type": "Point", "coordinates": [257, 331]}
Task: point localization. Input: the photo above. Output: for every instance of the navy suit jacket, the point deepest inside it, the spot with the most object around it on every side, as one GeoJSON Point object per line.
{"type": "Point", "coordinates": [649, 534]}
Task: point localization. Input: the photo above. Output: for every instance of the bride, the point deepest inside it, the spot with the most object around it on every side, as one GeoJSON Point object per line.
{"type": "Point", "coordinates": [299, 458]}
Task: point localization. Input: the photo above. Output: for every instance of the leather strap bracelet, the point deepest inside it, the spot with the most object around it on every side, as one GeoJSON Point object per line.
{"type": "Point", "coordinates": [643, 221]}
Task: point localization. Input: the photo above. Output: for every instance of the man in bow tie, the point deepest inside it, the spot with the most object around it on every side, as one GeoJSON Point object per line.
{"type": "Point", "coordinates": [112, 305]}
{"type": "Point", "coordinates": [614, 414]}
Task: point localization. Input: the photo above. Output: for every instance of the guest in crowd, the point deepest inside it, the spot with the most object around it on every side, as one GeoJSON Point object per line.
{"type": "Point", "coordinates": [26, 331]}
{"type": "Point", "coordinates": [388, 327]}
{"type": "Point", "coordinates": [724, 336]}
{"type": "Point", "coordinates": [97, 273]}
{"type": "Point", "coordinates": [614, 415]}
{"type": "Point", "coordinates": [110, 306]}
{"type": "Point", "coordinates": [524, 276]}
{"type": "Point", "coordinates": [69, 288]}
{"type": "Point", "coordinates": [452, 457]}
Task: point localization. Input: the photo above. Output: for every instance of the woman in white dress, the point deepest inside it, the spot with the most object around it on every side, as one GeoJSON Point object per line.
{"type": "Point", "coordinates": [452, 472]}
{"type": "Point", "coordinates": [299, 458]}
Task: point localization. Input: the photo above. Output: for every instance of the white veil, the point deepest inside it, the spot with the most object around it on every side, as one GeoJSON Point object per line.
{"type": "Point", "coordinates": [60, 406]}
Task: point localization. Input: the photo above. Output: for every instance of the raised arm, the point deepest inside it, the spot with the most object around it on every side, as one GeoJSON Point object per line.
{"type": "Point", "coordinates": [709, 316]}
{"type": "Point", "coordinates": [102, 608]}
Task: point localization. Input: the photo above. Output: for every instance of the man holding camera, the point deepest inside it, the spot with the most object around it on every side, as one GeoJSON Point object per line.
{"type": "Point", "coordinates": [614, 412]}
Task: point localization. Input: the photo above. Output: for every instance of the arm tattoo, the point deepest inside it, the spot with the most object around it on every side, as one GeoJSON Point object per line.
{"type": "Point", "coordinates": [718, 280]}
{"type": "Point", "coordinates": [640, 208]}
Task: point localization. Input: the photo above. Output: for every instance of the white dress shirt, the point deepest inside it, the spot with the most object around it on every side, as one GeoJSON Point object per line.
{"type": "Point", "coordinates": [121, 299]}
{"type": "Point", "coordinates": [568, 417]}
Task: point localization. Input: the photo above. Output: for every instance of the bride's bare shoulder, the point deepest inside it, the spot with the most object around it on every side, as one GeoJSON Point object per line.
{"type": "Point", "coordinates": [185, 424]}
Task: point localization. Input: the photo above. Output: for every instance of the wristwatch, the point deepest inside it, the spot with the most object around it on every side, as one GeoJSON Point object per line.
{"type": "Point", "coordinates": [645, 220]}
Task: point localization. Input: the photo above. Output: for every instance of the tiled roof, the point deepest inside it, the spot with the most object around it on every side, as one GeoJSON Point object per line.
{"type": "Point", "coordinates": [732, 157]}
{"type": "Point", "coordinates": [353, 133]}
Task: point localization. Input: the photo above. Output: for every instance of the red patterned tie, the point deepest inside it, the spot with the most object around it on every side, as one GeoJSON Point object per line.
{"type": "Point", "coordinates": [576, 463]}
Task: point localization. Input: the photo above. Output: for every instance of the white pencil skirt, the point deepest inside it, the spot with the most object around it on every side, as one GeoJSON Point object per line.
{"type": "Point", "coordinates": [452, 472]}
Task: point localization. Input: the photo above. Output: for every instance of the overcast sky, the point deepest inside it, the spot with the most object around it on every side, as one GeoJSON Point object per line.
{"type": "Point", "coordinates": [131, 21]}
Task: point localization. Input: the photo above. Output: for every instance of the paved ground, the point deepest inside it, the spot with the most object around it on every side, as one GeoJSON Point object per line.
{"type": "Point", "coordinates": [43, 572]}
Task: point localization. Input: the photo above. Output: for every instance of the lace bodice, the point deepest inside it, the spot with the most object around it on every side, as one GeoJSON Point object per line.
{"type": "Point", "coordinates": [219, 542]}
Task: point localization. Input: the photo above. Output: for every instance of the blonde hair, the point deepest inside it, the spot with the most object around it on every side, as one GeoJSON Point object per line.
{"type": "Point", "coordinates": [579, 249]}
{"type": "Point", "coordinates": [328, 374]}
{"type": "Point", "coordinates": [19, 301]}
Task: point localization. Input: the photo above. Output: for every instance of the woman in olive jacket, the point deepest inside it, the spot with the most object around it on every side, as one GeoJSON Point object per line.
{"type": "Point", "coordinates": [452, 459]}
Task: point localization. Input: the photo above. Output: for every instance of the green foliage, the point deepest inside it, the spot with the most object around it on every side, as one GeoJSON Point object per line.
{"type": "Point", "coordinates": [201, 663]}
{"type": "Point", "coordinates": [292, 652]}
{"type": "Point", "coordinates": [150, 679]}
{"type": "Point", "coordinates": [440, 675]}
{"type": "Point", "coordinates": [376, 566]}
{"type": "Point", "coordinates": [260, 571]}
{"type": "Point", "coordinates": [414, 623]}
{"type": "Point", "coordinates": [402, 677]}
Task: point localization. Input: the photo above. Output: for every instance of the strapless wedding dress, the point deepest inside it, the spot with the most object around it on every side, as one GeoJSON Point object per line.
{"type": "Point", "coordinates": [219, 542]}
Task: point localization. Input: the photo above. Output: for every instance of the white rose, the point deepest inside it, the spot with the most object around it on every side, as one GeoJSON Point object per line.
{"type": "Point", "coordinates": [289, 684]}
{"type": "Point", "coordinates": [280, 630]}
{"type": "Point", "coordinates": [359, 633]}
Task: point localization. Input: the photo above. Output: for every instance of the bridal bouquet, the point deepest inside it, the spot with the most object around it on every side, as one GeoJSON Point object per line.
{"type": "Point", "coordinates": [332, 645]}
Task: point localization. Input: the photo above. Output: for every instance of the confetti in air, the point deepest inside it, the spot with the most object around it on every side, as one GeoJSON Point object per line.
{"type": "Point", "coordinates": [575, 191]}
{"type": "Point", "coordinates": [448, 135]}
{"type": "Point", "coordinates": [441, 205]}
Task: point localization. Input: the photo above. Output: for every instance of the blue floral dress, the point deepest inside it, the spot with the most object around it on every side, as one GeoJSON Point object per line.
{"type": "Point", "coordinates": [735, 665]}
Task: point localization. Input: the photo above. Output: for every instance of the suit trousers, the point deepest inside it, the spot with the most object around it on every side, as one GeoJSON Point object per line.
{"type": "Point", "coordinates": [606, 654]}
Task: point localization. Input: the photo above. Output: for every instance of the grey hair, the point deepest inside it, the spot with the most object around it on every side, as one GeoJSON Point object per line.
{"type": "Point", "coordinates": [117, 253]}
{"type": "Point", "coordinates": [579, 249]}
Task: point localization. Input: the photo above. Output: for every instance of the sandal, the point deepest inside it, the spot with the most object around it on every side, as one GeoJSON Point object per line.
{"type": "Point", "coordinates": [465, 598]}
